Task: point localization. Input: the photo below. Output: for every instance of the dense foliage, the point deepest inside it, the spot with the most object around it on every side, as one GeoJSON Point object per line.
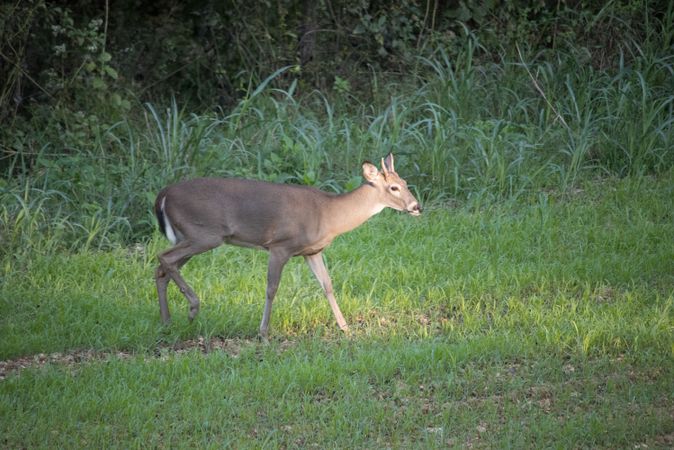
{"type": "Point", "coordinates": [102, 103]}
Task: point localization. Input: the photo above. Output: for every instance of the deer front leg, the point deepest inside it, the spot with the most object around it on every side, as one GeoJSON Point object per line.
{"type": "Point", "coordinates": [317, 266]}
{"type": "Point", "coordinates": [277, 260]}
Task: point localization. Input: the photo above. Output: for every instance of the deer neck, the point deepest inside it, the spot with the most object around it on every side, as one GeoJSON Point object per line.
{"type": "Point", "coordinates": [348, 211]}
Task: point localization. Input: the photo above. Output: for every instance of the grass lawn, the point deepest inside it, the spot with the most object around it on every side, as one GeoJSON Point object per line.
{"type": "Point", "coordinates": [546, 322]}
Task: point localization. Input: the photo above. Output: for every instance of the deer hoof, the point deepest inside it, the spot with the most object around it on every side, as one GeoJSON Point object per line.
{"type": "Point", "coordinates": [263, 336]}
{"type": "Point", "coordinates": [346, 330]}
{"type": "Point", "coordinates": [194, 310]}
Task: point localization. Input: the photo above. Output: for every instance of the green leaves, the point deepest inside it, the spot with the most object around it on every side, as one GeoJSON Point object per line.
{"type": "Point", "coordinates": [98, 83]}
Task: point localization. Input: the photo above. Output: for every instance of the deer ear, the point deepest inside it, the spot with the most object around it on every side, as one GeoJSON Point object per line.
{"type": "Point", "coordinates": [384, 170]}
{"type": "Point", "coordinates": [370, 172]}
{"type": "Point", "coordinates": [387, 164]}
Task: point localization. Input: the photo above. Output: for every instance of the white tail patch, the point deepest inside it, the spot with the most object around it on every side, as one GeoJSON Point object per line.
{"type": "Point", "coordinates": [170, 234]}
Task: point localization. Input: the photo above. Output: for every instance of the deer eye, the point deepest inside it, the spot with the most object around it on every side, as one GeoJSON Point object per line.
{"type": "Point", "coordinates": [395, 188]}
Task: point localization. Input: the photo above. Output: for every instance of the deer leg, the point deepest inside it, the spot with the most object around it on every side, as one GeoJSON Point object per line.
{"type": "Point", "coordinates": [277, 260]}
{"type": "Point", "coordinates": [317, 266]}
{"type": "Point", "coordinates": [170, 263]}
{"type": "Point", "coordinates": [162, 279]}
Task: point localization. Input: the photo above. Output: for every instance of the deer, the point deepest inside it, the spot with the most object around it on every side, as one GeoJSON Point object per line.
{"type": "Point", "coordinates": [286, 220]}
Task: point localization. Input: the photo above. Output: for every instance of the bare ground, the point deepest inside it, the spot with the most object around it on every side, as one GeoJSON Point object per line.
{"type": "Point", "coordinates": [232, 347]}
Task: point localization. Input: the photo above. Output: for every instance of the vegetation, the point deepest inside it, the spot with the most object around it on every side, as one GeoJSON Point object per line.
{"type": "Point", "coordinates": [548, 324]}
{"type": "Point", "coordinates": [530, 306]}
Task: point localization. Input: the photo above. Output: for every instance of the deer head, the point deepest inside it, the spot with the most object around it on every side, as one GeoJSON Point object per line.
{"type": "Point", "coordinates": [392, 189]}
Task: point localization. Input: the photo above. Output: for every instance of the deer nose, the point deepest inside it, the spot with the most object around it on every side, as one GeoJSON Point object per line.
{"type": "Point", "coordinates": [416, 209]}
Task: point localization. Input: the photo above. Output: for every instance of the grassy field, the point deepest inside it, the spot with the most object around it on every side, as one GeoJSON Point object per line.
{"type": "Point", "coordinates": [542, 322]}
{"type": "Point", "coordinates": [530, 306]}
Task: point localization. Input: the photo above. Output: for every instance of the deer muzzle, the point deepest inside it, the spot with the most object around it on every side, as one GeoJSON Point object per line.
{"type": "Point", "coordinates": [415, 209]}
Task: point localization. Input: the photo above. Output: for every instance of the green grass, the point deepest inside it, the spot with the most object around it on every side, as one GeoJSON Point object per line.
{"type": "Point", "coordinates": [531, 306]}
{"type": "Point", "coordinates": [345, 394]}
{"type": "Point", "coordinates": [542, 322]}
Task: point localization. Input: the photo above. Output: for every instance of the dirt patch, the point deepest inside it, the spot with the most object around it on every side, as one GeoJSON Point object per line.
{"type": "Point", "coordinates": [76, 357]}
{"type": "Point", "coordinates": [231, 346]}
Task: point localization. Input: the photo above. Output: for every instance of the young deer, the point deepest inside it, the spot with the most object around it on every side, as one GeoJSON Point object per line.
{"type": "Point", "coordinates": [285, 220]}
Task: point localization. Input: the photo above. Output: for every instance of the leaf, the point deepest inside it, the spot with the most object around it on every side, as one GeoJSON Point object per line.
{"type": "Point", "coordinates": [309, 178]}
{"type": "Point", "coordinates": [464, 14]}
{"type": "Point", "coordinates": [98, 83]}
{"type": "Point", "coordinates": [112, 73]}
{"type": "Point", "coordinates": [105, 57]}
{"type": "Point", "coordinates": [267, 80]}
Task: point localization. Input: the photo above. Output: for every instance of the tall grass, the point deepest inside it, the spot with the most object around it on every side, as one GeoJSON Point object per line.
{"type": "Point", "coordinates": [467, 129]}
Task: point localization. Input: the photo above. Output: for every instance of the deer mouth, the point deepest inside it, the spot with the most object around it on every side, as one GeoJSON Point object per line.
{"type": "Point", "coordinates": [415, 210]}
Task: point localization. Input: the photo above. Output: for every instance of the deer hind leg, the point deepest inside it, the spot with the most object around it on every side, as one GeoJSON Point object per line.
{"type": "Point", "coordinates": [170, 263]}
{"type": "Point", "coordinates": [162, 280]}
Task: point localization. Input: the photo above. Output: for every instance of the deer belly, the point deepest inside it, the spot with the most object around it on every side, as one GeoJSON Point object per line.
{"type": "Point", "coordinates": [314, 247]}
{"type": "Point", "coordinates": [247, 244]}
